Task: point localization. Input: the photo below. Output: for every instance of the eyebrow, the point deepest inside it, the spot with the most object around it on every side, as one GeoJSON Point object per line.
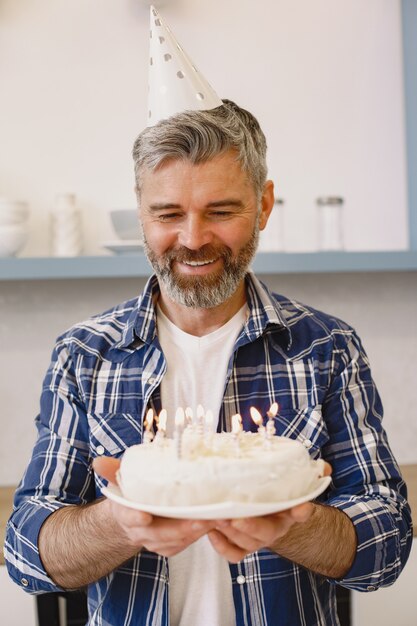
{"type": "Point", "coordinates": [161, 206]}
{"type": "Point", "coordinates": [226, 202]}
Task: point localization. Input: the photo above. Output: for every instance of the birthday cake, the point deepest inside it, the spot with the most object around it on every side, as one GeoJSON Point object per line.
{"type": "Point", "coordinates": [221, 467]}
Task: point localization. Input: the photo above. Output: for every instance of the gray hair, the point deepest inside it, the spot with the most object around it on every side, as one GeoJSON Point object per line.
{"type": "Point", "coordinates": [199, 136]}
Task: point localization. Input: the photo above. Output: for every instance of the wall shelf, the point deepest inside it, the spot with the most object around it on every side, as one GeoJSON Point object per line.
{"type": "Point", "coordinates": [136, 265]}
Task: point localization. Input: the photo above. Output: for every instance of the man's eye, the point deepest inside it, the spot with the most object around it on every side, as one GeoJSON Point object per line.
{"type": "Point", "coordinates": [221, 214]}
{"type": "Point", "coordinates": [168, 217]}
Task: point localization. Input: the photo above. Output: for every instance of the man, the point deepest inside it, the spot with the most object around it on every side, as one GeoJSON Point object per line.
{"type": "Point", "coordinates": [206, 330]}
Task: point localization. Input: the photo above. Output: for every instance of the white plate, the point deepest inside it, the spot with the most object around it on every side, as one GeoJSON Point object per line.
{"type": "Point", "coordinates": [224, 510]}
{"type": "Point", "coordinates": [125, 246]}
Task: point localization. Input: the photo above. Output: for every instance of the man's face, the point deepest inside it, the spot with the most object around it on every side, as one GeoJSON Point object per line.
{"type": "Point", "coordinates": [201, 226]}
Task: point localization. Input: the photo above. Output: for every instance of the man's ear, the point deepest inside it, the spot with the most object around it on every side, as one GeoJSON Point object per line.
{"type": "Point", "coordinates": [267, 204]}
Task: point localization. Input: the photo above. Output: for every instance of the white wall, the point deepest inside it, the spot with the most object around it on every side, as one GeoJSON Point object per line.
{"type": "Point", "coordinates": [390, 605]}
{"type": "Point", "coordinates": [17, 607]}
{"type": "Point", "coordinates": [323, 77]}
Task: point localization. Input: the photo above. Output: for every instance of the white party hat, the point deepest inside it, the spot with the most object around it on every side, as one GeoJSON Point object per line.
{"type": "Point", "coordinates": [175, 84]}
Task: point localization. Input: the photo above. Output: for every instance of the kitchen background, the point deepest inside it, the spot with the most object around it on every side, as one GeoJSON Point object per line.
{"type": "Point", "coordinates": [326, 81]}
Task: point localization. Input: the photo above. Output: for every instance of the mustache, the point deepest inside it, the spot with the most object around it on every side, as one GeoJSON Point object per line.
{"type": "Point", "coordinates": [207, 252]}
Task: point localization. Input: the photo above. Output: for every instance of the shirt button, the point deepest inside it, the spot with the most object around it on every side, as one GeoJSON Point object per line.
{"type": "Point", "coordinates": [24, 582]}
{"type": "Point", "coordinates": [151, 381]}
{"type": "Point", "coordinates": [100, 450]}
{"type": "Point", "coordinates": [307, 443]}
{"type": "Point", "coordinates": [370, 588]}
{"type": "Point", "coordinates": [240, 580]}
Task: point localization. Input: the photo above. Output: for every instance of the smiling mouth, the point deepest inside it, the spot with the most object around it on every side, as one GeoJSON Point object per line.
{"type": "Point", "coordinates": [199, 263]}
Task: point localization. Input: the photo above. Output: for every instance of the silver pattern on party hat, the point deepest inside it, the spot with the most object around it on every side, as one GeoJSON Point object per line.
{"type": "Point", "coordinates": [175, 84]}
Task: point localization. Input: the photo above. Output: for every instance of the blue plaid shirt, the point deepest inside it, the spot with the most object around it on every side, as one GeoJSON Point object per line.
{"type": "Point", "coordinates": [104, 375]}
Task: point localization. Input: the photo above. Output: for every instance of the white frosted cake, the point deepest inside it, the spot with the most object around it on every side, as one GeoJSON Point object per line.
{"type": "Point", "coordinates": [218, 470]}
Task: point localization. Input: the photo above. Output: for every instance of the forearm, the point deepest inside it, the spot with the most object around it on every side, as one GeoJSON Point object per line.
{"type": "Point", "coordinates": [80, 544]}
{"type": "Point", "coordinates": [325, 544]}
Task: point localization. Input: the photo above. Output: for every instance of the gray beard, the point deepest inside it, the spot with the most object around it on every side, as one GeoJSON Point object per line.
{"type": "Point", "coordinates": [203, 292]}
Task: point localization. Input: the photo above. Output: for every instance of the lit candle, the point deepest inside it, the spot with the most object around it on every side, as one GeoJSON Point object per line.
{"type": "Point", "coordinates": [258, 419]}
{"type": "Point", "coordinates": [236, 430]}
{"type": "Point", "coordinates": [236, 424]}
{"type": "Point", "coordinates": [189, 418]}
{"type": "Point", "coordinates": [179, 427]}
{"type": "Point", "coordinates": [273, 410]}
{"type": "Point", "coordinates": [162, 427]}
{"type": "Point", "coordinates": [270, 425]}
{"type": "Point", "coordinates": [148, 435]}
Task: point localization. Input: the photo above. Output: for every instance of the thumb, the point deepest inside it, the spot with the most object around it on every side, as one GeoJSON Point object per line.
{"type": "Point", "coordinates": [302, 512]}
{"type": "Point", "coordinates": [106, 467]}
{"type": "Point", "coordinates": [327, 469]}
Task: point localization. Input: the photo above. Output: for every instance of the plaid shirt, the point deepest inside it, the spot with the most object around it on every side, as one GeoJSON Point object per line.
{"type": "Point", "coordinates": [104, 375]}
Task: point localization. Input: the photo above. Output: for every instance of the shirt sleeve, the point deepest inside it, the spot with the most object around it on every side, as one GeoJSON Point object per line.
{"type": "Point", "coordinates": [59, 473]}
{"type": "Point", "coordinates": [367, 483]}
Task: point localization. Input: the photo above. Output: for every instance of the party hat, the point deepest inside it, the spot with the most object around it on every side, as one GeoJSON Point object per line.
{"type": "Point", "coordinates": [175, 84]}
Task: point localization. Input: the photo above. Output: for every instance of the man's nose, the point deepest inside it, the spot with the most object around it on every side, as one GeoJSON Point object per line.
{"type": "Point", "coordinates": [194, 233]}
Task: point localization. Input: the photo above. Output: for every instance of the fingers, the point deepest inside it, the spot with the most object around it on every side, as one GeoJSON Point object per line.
{"type": "Point", "coordinates": [106, 467]}
{"type": "Point", "coordinates": [265, 530]}
{"type": "Point", "coordinates": [162, 535]}
{"type": "Point", "coordinates": [234, 539]}
{"type": "Point", "coordinates": [302, 512]}
{"type": "Point", "coordinates": [327, 469]}
{"type": "Point", "coordinates": [168, 537]}
{"type": "Point", "coordinates": [130, 518]}
{"type": "Point", "coordinates": [226, 548]}
{"type": "Point", "coordinates": [168, 529]}
{"type": "Point", "coordinates": [254, 533]}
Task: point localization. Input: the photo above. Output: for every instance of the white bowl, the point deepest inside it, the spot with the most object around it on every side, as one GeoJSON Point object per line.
{"type": "Point", "coordinates": [13, 212]}
{"type": "Point", "coordinates": [126, 223]}
{"type": "Point", "coordinates": [12, 239]}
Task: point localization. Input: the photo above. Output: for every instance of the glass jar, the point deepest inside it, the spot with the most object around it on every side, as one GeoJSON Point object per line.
{"type": "Point", "coordinates": [330, 222]}
{"type": "Point", "coordinates": [66, 236]}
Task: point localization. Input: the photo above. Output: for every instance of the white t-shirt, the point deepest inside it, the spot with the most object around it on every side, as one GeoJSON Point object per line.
{"type": "Point", "coordinates": [200, 587]}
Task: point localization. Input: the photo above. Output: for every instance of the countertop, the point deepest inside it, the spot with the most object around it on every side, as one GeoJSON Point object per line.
{"type": "Point", "coordinates": [6, 499]}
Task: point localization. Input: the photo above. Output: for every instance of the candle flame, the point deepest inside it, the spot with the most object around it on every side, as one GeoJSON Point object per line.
{"type": "Point", "coordinates": [256, 416]}
{"type": "Point", "coordinates": [162, 420]}
{"type": "Point", "coordinates": [200, 412]}
{"type": "Point", "coordinates": [149, 419]}
{"type": "Point", "coordinates": [189, 415]}
{"type": "Point", "coordinates": [236, 423]}
{"type": "Point", "coordinates": [180, 417]}
{"type": "Point", "coordinates": [273, 410]}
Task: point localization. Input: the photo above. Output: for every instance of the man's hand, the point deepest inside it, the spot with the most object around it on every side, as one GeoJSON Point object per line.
{"type": "Point", "coordinates": [162, 535]}
{"type": "Point", "coordinates": [234, 539]}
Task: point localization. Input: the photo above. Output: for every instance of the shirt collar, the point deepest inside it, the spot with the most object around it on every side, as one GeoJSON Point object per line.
{"type": "Point", "coordinates": [264, 309]}
{"type": "Point", "coordinates": [264, 312]}
{"type": "Point", "coordinates": [141, 324]}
